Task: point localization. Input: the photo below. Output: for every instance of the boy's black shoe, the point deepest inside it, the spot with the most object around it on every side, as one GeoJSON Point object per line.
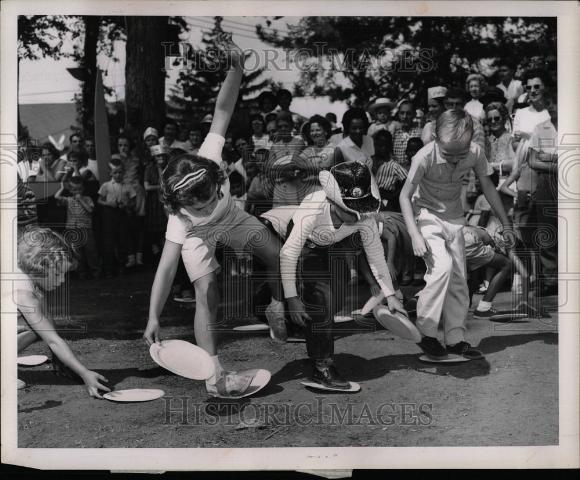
{"type": "Point", "coordinates": [465, 350]}
{"type": "Point", "coordinates": [432, 348]}
{"type": "Point", "coordinates": [329, 377]}
{"type": "Point", "coordinates": [487, 314]}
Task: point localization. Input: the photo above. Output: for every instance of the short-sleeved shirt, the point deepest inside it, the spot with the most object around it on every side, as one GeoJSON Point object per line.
{"type": "Point", "coordinates": [76, 214]}
{"type": "Point", "coordinates": [117, 192]}
{"type": "Point", "coordinates": [353, 153]}
{"type": "Point", "coordinates": [179, 227]}
{"type": "Point", "coordinates": [527, 118]}
{"type": "Point", "coordinates": [439, 182]}
{"type": "Point", "coordinates": [511, 92]}
{"type": "Point", "coordinates": [389, 173]}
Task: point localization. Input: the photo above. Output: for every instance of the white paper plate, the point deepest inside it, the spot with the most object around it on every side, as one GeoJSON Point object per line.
{"type": "Point", "coordinates": [183, 359]}
{"type": "Point", "coordinates": [354, 387]}
{"type": "Point", "coordinates": [261, 379]}
{"type": "Point", "coordinates": [397, 323]}
{"type": "Point", "coordinates": [342, 318]}
{"type": "Point", "coordinates": [253, 327]}
{"type": "Point", "coordinates": [32, 360]}
{"type": "Point", "coordinates": [134, 395]}
{"type": "Point", "coordinates": [372, 303]}
{"type": "Point", "coordinates": [450, 358]}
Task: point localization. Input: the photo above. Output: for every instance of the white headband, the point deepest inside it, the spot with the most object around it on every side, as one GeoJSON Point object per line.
{"type": "Point", "coordinates": [189, 178]}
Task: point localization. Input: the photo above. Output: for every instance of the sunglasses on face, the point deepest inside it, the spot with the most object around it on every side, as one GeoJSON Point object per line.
{"type": "Point", "coordinates": [494, 119]}
{"type": "Point", "coordinates": [537, 86]}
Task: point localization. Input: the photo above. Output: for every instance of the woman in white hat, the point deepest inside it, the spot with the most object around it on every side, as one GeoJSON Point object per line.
{"type": "Point", "coordinates": [380, 110]}
{"type": "Point", "coordinates": [435, 107]}
{"type": "Point", "coordinates": [313, 236]}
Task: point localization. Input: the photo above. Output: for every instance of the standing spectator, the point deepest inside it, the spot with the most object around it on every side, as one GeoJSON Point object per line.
{"type": "Point", "coordinates": [435, 106]}
{"type": "Point", "coordinates": [511, 87]}
{"type": "Point", "coordinates": [194, 139]}
{"type": "Point", "coordinates": [284, 99]}
{"type": "Point", "coordinates": [355, 146]}
{"type": "Point", "coordinates": [92, 164]}
{"type": "Point", "coordinates": [475, 86]}
{"type": "Point", "coordinates": [170, 136]}
{"type": "Point", "coordinates": [268, 103]}
{"type": "Point", "coordinates": [79, 226]}
{"type": "Point", "coordinates": [498, 144]}
{"type": "Point", "coordinates": [118, 200]}
{"type": "Point", "coordinates": [260, 140]}
{"type": "Point", "coordinates": [406, 114]}
{"type": "Point", "coordinates": [317, 156]}
{"type": "Point", "coordinates": [150, 137]}
{"type": "Point", "coordinates": [380, 110]}
{"type": "Point", "coordinates": [334, 128]}
{"type": "Point", "coordinates": [52, 167]}
{"type": "Point", "coordinates": [156, 218]}
{"type": "Point", "coordinates": [455, 100]}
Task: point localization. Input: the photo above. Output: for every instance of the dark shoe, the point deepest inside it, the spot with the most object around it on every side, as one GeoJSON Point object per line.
{"type": "Point", "coordinates": [329, 377]}
{"type": "Point", "coordinates": [465, 350]}
{"type": "Point", "coordinates": [485, 315]}
{"type": "Point", "coordinates": [432, 348]}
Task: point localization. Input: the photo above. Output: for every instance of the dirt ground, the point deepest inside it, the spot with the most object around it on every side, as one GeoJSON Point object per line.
{"type": "Point", "coordinates": [510, 398]}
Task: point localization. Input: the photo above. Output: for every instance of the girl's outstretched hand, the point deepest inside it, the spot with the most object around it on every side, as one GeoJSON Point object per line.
{"type": "Point", "coordinates": [233, 53]}
{"type": "Point", "coordinates": [93, 384]}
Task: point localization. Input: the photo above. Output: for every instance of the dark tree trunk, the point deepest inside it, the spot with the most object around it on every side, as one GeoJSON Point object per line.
{"type": "Point", "coordinates": [145, 74]}
{"type": "Point", "coordinates": [89, 62]}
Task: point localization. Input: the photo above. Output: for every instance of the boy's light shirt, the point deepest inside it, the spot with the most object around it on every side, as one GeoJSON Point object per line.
{"type": "Point", "coordinates": [177, 228]}
{"type": "Point", "coordinates": [439, 182]}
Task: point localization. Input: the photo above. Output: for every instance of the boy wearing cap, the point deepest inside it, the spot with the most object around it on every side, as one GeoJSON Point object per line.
{"type": "Point", "coordinates": [325, 218]}
{"type": "Point", "coordinates": [431, 205]}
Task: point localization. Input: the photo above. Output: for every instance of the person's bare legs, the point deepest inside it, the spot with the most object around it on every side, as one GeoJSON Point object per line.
{"type": "Point", "coordinates": [25, 339]}
{"type": "Point", "coordinates": [205, 322]}
{"type": "Point", "coordinates": [501, 265]}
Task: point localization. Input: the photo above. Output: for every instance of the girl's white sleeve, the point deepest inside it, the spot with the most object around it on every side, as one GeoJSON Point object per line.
{"type": "Point", "coordinates": [373, 247]}
{"type": "Point", "coordinates": [212, 147]}
{"type": "Point", "coordinates": [304, 222]}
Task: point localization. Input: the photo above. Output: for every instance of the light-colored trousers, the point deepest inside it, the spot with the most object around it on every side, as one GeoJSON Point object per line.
{"type": "Point", "coordinates": [445, 297]}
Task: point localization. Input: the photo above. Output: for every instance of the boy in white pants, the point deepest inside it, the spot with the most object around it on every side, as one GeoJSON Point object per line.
{"type": "Point", "coordinates": [431, 205]}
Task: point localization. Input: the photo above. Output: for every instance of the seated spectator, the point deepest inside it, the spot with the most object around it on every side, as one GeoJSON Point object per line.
{"type": "Point", "coordinates": [284, 99]}
{"type": "Point", "coordinates": [511, 87]}
{"type": "Point", "coordinates": [52, 167]}
{"type": "Point", "coordinates": [260, 139]}
{"type": "Point", "coordinates": [390, 176]}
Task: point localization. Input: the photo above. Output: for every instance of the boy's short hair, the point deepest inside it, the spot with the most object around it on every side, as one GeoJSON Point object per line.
{"type": "Point", "coordinates": [331, 117]}
{"type": "Point", "coordinates": [386, 137]}
{"type": "Point", "coordinates": [284, 117]}
{"type": "Point", "coordinates": [258, 117]}
{"type": "Point", "coordinates": [116, 163]}
{"type": "Point", "coordinates": [73, 135]}
{"type": "Point", "coordinates": [79, 155]}
{"type": "Point", "coordinates": [284, 93]}
{"type": "Point", "coordinates": [271, 117]}
{"type": "Point", "coordinates": [414, 143]}
{"type": "Point", "coordinates": [455, 92]}
{"type": "Point", "coordinates": [76, 182]}
{"type": "Point", "coordinates": [236, 179]}
{"type": "Point", "coordinates": [454, 125]}
{"type": "Point", "coordinates": [40, 248]}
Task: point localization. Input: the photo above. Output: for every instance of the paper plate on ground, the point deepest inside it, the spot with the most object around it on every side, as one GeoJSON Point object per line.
{"type": "Point", "coordinates": [32, 360]}
{"type": "Point", "coordinates": [397, 323]}
{"type": "Point", "coordinates": [134, 395]}
{"type": "Point", "coordinates": [354, 387]}
{"type": "Point", "coordinates": [253, 327]}
{"type": "Point", "coordinates": [183, 359]}
{"type": "Point", "coordinates": [342, 318]}
{"type": "Point", "coordinates": [260, 379]}
{"type": "Point", "coordinates": [451, 358]}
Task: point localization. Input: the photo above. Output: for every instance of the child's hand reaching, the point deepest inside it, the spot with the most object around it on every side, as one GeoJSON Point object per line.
{"type": "Point", "coordinates": [93, 384]}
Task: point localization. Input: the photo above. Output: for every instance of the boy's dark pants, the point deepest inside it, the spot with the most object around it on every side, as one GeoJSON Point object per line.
{"type": "Point", "coordinates": [321, 273]}
{"type": "Point", "coordinates": [83, 241]}
{"type": "Point", "coordinates": [115, 237]}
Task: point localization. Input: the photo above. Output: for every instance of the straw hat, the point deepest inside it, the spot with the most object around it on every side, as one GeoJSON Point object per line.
{"type": "Point", "coordinates": [381, 103]}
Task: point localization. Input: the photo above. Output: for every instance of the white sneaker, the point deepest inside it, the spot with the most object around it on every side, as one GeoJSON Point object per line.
{"type": "Point", "coordinates": [277, 323]}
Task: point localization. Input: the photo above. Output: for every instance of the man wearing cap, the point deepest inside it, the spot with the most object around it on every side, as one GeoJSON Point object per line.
{"type": "Point", "coordinates": [380, 110]}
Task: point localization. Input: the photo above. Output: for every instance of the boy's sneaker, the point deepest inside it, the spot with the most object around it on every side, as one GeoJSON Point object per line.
{"type": "Point", "coordinates": [277, 323]}
{"type": "Point", "coordinates": [465, 350]}
{"type": "Point", "coordinates": [329, 377]}
{"type": "Point", "coordinates": [485, 314]}
{"type": "Point", "coordinates": [432, 348]}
